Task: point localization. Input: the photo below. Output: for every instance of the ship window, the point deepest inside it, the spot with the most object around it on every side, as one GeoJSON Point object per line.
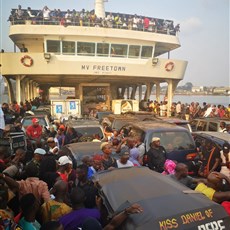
{"type": "Point", "coordinates": [86, 49]}
{"type": "Point", "coordinates": [118, 50]}
{"type": "Point", "coordinates": [68, 47]}
{"type": "Point", "coordinates": [103, 49]}
{"type": "Point", "coordinates": [146, 51]}
{"type": "Point", "coordinates": [53, 46]}
{"type": "Point", "coordinates": [134, 51]}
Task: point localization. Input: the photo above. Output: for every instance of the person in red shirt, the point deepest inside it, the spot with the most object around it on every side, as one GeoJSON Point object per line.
{"type": "Point", "coordinates": [34, 133]}
{"type": "Point", "coordinates": [221, 111]}
{"type": "Point", "coordinates": [146, 23]}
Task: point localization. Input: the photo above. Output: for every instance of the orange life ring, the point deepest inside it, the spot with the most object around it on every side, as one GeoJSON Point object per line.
{"type": "Point", "coordinates": [169, 66]}
{"type": "Point", "coordinates": [27, 61]}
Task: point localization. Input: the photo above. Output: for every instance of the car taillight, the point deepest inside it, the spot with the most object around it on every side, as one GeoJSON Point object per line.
{"type": "Point", "coordinates": [191, 156]}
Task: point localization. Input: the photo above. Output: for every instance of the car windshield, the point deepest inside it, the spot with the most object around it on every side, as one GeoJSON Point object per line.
{"type": "Point", "coordinates": [173, 140]}
{"type": "Point", "coordinates": [40, 112]}
{"type": "Point", "coordinates": [89, 131]}
{"type": "Point", "coordinates": [27, 122]}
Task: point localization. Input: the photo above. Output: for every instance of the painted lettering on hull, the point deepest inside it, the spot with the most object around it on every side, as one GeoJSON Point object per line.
{"type": "Point", "coordinates": [104, 68]}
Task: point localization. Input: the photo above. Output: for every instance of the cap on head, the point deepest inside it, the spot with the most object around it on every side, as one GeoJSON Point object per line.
{"type": "Point", "coordinates": [64, 160]}
{"type": "Point", "coordinates": [124, 152]}
{"type": "Point", "coordinates": [155, 139]}
{"type": "Point", "coordinates": [35, 120]}
{"type": "Point", "coordinates": [62, 127]}
{"type": "Point", "coordinates": [103, 145]}
{"type": "Point", "coordinates": [40, 151]}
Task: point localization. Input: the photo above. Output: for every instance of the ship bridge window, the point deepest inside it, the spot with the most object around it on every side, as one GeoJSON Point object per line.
{"type": "Point", "coordinates": [134, 51]}
{"type": "Point", "coordinates": [53, 46]}
{"type": "Point", "coordinates": [118, 50]}
{"type": "Point", "coordinates": [86, 49]}
{"type": "Point", "coordinates": [68, 48]}
{"type": "Point", "coordinates": [103, 49]}
{"type": "Point", "coordinates": [146, 51]}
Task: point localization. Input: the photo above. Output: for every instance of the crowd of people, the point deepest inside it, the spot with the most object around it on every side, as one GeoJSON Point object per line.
{"type": "Point", "coordinates": [88, 18]}
{"type": "Point", "coordinates": [51, 189]}
{"type": "Point", "coordinates": [48, 189]}
{"type": "Point", "coordinates": [185, 110]}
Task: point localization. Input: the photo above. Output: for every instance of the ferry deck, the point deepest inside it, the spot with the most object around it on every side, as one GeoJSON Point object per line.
{"type": "Point", "coordinates": [101, 61]}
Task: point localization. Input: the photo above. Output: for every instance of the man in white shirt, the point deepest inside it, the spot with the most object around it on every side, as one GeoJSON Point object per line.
{"type": "Point", "coordinates": [46, 13]}
{"type": "Point", "coordinates": [2, 122]}
{"type": "Point", "coordinates": [110, 20]}
{"type": "Point", "coordinates": [178, 108]}
{"type": "Point", "coordinates": [124, 161]}
{"type": "Point", "coordinates": [68, 17]}
{"type": "Point", "coordinates": [208, 111]}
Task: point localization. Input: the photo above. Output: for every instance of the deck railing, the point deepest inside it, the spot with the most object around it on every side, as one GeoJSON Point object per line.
{"type": "Point", "coordinates": [154, 26]}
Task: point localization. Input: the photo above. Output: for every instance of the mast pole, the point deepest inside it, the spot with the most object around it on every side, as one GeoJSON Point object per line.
{"type": "Point", "coordinates": [100, 8]}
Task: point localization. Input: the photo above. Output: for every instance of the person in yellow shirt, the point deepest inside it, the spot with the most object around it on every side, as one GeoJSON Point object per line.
{"type": "Point", "coordinates": [214, 188]}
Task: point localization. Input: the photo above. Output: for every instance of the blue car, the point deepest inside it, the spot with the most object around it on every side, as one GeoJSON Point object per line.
{"type": "Point", "coordinates": [177, 141]}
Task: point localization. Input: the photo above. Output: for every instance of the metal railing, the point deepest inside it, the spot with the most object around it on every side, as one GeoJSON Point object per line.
{"type": "Point", "coordinates": [155, 25]}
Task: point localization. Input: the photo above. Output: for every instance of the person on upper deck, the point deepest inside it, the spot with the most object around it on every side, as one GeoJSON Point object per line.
{"type": "Point", "coordinates": [19, 13]}
{"type": "Point", "coordinates": [46, 13]}
{"type": "Point", "coordinates": [30, 13]}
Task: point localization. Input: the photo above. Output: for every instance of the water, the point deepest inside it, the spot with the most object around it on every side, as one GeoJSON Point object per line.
{"type": "Point", "coordinates": [209, 99]}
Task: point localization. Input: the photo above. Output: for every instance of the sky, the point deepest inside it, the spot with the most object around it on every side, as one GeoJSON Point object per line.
{"type": "Point", "coordinates": [204, 35]}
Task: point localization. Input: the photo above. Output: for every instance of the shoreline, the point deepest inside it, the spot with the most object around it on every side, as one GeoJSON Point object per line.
{"type": "Point", "coordinates": [199, 94]}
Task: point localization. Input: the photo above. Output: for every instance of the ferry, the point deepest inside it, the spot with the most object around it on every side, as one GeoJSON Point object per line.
{"type": "Point", "coordinates": [103, 55]}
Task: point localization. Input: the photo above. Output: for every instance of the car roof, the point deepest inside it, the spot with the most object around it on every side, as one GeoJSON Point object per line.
{"type": "Point", "coordinates": [81, 149]}
{"type": "Point", "coordinates": [83, 122]}
{"type": "Point", "coordinates": [163, 199]}
{"type": "Point", "coordinates": [214, 135]}
{"type": "Point", "coordinates": [75, 147]}
{"type": "Point", "coordinates": [105, 112]}
{"type": "Point", "coordinates": [75, 125]}
{"type": "Point", "coordinates": [227, 120]}
{"type": "Point", "coordinates": [153, 125]}
{"type": "Point", "coordinates": [113, 118]}
{"type": "Point", "coordinates": [140, 115]}
{"type": "Point", "coordinates": [35, 116]}
{"type": "Point", "coordinates": [174, 120]}
{"type": "Point", "coordinates": [121, 116]}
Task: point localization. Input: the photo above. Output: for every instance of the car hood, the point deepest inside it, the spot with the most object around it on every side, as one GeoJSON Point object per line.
{"type": "Point", "coordinates": [165, 202]}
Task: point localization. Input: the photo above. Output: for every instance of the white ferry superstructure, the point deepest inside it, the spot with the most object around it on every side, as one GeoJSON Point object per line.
{"type": "Point", "coordinates": [90, 58]}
